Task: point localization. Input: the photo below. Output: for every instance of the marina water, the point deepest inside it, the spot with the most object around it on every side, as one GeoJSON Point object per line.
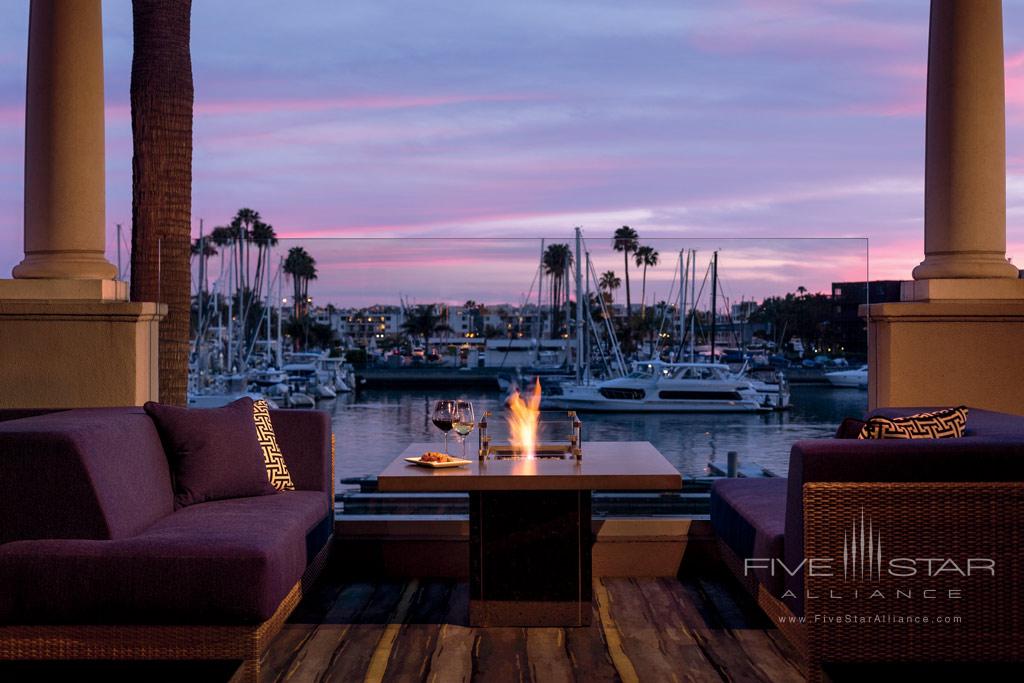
{"type": "Point", "coordinates": [375, 426]}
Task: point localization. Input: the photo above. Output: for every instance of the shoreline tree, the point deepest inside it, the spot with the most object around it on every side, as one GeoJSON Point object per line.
{"type": "Point", "coordinates": [608, 283]}
{"type": "Point", "coordinates": [645, 257]}
{"type": "Point", "coordinates": [557, 261]}
{"type": "Point", "coordinates": [625, 240]}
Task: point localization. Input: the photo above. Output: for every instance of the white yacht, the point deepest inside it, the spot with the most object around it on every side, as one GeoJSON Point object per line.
{"type": "Point", "coordinates": [655, 386]}
{"type": "Point", "coordinates": [849, 378]}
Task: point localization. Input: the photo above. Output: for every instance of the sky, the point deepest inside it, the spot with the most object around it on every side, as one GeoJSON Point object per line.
{"type": "Point", "coordinates": [730, 124]}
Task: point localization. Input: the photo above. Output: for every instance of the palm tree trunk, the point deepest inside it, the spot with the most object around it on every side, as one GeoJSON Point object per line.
{"type": "Point", "coordinates": [643, 294]}
{"type": "Point", "coordinates": [161, 102]}
{"type": "Point", "coordinates": [629, 301]}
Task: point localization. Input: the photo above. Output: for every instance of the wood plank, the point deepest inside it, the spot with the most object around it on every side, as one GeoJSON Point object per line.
{"type": "Point", "coordinates": [720, 647]}
{"type": "Point", "coordinates": [315, 655]}
{"type": "Point", "coordinates": [452, 659]}
{"type": "Point", "coordinates": [301, 625]}
{"type": "Point", "coordinates": [632, 638]}
{"type": "Point", "coordinates": [761, 650]}
{"type": "Point", "coordinates": [736, 608]}
{"type": "Point", "coordinates": [499, 655]}
{"type": "Point", "coordinates": [382, 651]}
{"type": "Point", "coordinates": [545, 651]}
{"type": "Point", "coordinates": [413, 649]}
{"type": "Point", "coordinates": [588, 653]}
{"type": "Point", "coordinates": [351, 658]}
{"type": "Point", "coordinates": [678, 643]}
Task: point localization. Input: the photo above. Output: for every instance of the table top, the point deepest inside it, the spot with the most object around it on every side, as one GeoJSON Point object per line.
{"type": "Point", "coordinates": [606, 465]}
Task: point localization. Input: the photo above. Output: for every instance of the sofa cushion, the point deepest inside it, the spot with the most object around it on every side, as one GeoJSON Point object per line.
{"type": "Point", "coordinates": [273, 459]}
{"type": "Point", "coordinates": [97, 473]}
{"type": "Point", "coordinates": [228, 561]}
{"type": "Point", "coordinates": [214, 452]}
{"type": "Point", "coordinates": [949, 423]}
{"type": "Point", "coordinates": [749, 515]}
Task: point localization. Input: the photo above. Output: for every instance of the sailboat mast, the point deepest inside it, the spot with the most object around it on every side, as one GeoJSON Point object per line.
{"type": "Point", "coordinates": [231, 317]}
{"type": "Point", "coordinates": [714, 301]}
{"type": "Point", "coordinates": [200, 289]}
{"type": "Point", "coordinates": [693, 302]}
{"type": "Point", "coordinates": [684, 266]}
{"type": "Point", "coordinates": [540, 289]}
{"type": "Point", "coordinates": [280, 309]}
{"type": "Point", "coordinates": [579, 305]}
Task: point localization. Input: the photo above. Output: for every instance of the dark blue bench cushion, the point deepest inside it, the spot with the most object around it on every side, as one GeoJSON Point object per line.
{"type": "Point", "coordinates": [749, 515]}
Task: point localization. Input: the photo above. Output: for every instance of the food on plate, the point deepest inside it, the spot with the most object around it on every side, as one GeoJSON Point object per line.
{"type": "Point", "coordinates": [434, 456]}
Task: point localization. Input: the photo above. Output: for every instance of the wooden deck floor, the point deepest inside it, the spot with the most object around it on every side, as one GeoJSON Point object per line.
{"type": "Point", "coordinates": [655, 630]}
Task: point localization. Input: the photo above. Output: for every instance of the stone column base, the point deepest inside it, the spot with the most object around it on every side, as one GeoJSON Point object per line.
{"type": "Point", "coordinates": [946, 353]}
{"type": "Point", "coordinates": [74, 354]}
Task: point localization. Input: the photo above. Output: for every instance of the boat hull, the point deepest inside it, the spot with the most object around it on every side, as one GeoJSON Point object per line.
{"type": "Point", "coordinates": [589, 405]}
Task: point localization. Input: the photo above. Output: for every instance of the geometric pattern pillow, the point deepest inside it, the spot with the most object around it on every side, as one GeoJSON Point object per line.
{"type": "Point", "coordinates": [949, 423]}
{"type": "Point", "coordinates": [277, 470]}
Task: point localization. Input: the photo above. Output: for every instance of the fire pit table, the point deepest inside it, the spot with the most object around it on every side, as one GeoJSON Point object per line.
{"type": "Point", "coordinates": [530, 524]}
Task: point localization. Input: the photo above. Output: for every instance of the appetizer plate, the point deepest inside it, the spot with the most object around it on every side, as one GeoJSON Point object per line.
{"type": "Point", "coordinates": [454, 462]}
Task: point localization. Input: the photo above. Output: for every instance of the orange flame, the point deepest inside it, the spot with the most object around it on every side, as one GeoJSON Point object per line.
{"type": "Point", "coordinates": [522, 421]}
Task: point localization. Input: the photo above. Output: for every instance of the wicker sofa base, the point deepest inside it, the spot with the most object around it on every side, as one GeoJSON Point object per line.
{"type": "Point", "coordinates": [981, 519]}
{"type": "Point", "coordinates": [154, 642]}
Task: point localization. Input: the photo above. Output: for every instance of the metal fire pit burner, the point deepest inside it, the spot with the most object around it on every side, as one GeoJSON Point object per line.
{"type": "Point", "coordinates": [572, 447]}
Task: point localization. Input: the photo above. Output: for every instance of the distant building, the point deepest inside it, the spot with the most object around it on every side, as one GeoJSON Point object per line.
{"type": "Point", "coordinates": [847, 297]}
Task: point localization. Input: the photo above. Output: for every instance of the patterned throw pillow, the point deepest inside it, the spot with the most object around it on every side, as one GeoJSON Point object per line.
{"type": "Point", "coordinates": [277, 470]}
{"type": "Point", "coordinates": [949, 423]}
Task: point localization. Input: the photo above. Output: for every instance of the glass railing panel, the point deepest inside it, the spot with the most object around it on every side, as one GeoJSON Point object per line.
{"type": "Point", "coordinates": [401, 323]}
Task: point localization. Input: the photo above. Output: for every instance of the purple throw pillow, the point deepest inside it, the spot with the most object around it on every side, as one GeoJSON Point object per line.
{"type": "Point", "coordinates": [850, 428]}
{"type": "Point", "coordinates": [213, 452]}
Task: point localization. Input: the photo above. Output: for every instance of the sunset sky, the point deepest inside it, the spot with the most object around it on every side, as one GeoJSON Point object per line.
{"type": "Point", "coordinates": [727, 119]}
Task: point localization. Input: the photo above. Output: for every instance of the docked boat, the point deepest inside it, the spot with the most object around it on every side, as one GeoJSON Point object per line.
{"type": "Point", "coordinates": [857, 378]}
{"type": "Point", "coordinates": [655, 386]}
{"type": "Point", "coordinates": [771, 386]}
{"type": "Point", "coordinates": [221, 391]}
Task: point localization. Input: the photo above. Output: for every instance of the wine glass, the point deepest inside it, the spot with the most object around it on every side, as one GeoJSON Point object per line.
{"type": "Point", "coordinates": [464, 422]}
{"type": "Point", "coordinates": [442, 417]}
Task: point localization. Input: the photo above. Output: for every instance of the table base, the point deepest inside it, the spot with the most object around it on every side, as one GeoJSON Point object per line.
{"type": "Point", "coordinates": [530, 558]}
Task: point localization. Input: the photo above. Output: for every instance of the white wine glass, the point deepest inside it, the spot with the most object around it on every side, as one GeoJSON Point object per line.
{"type": "Point", "coordinates": [463, 422]}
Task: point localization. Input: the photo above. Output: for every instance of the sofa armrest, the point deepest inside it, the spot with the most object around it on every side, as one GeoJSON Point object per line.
{"type": "Point", "coordinates": [895, 460]}
{"type": "Point", "coordinates": [305, 440]}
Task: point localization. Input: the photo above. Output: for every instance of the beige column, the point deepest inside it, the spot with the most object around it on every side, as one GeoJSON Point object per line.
{"type": "Point", "coordinates": [956, 335]}
{"type": "Point", "coordinates": [64, 166]}
{"type": "Point", "coordinates": [965, 155]}
{"type": "Point", "coordinates": [68, 335]}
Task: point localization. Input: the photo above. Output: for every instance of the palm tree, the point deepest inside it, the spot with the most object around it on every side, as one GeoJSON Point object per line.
{"type": "Point", "coordinates": [264, 236]}
{"type": "Point", "coordinates": [204, 249]}
{"type": "Point", "coordinates": [626, 241]}
{"type": "Point", "coordinates": [161, 103]}
{"type": "Point", "coordinates": [302, 268]}
{"type": "Point", "coordinates": [609, 282]}
{"type": "Point", "coordinates": [243, 222]}
{"type": "Point", "coordinates": [423, 321]}
{"type": "Point", "coordinates": [645, 256]}
{"type": "Point", "coordinates": [557, 261]}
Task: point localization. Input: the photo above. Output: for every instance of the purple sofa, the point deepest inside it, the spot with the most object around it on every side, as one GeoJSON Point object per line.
{"type": "Point", "coordinates": [89, 538]}
{"type": "Point", "coordinates": [949, 498]}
